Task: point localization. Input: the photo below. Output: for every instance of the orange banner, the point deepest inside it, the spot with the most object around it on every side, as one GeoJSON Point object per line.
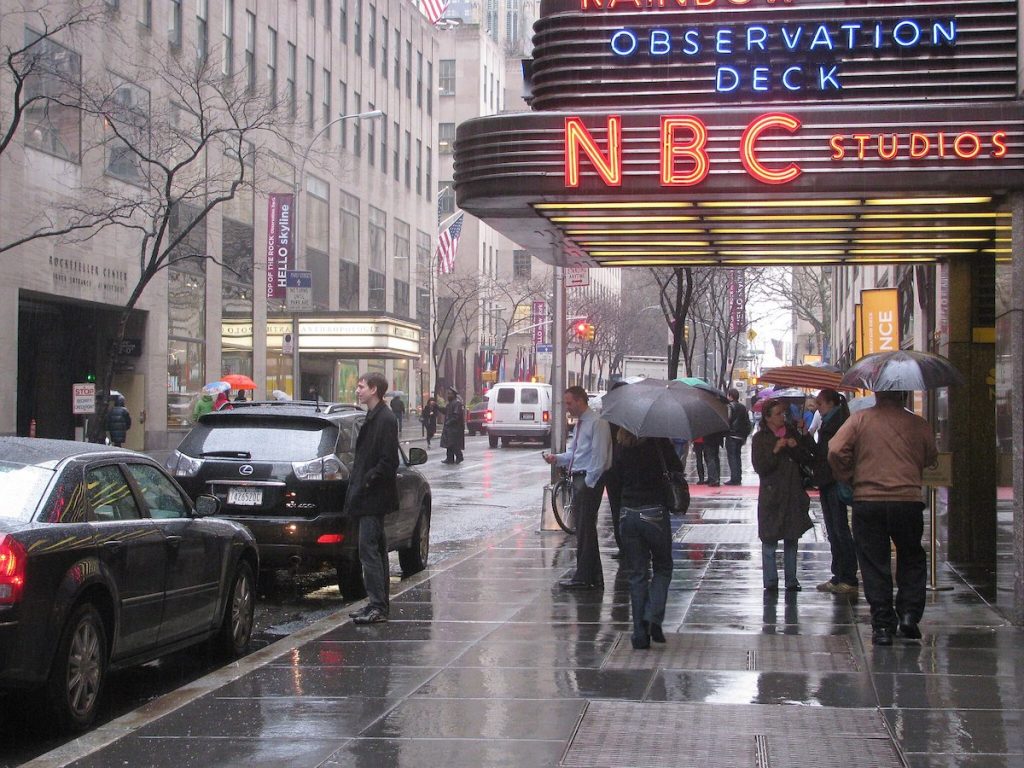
{"type": "Point", "coordinates": [881, 320]}
{"type": "Point", "coordinates": [858, 332]}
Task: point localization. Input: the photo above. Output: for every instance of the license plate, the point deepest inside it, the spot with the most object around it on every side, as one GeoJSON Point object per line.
{"type": "Point", "coordinates": [526, 416]}
{"type": "Point", "coordinates": [245, 497]}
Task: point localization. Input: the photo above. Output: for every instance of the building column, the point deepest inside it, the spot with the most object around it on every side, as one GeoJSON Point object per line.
{"type": "Point", "coordinates": [972, 497]}
{"type": "Point", "coordinates": [1017, 376]}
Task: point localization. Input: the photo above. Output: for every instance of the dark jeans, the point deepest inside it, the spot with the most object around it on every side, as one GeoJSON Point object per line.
{"type": "Point", "coordinates": [614, 487]}
{"type": "Point", "coordinates": [770, 569]}
{"type": "Point", "coordinates": [647, 543]}
{"type": "Point", "coordinates": [875, 523]}
{"type": "Point", "coordinates": [713, 463]}
{"type": "Point", "coordinates": [733, 446]}
{"type": "Point", "coordinates": [698, 459]}
{"type": "Point", "coordinates": [373, 556]}
{"type": "Point", "coordinates": [454, 455]}
{"type": "Point", "coordinates": [588, 552]}
{"type": "Point", "coordinates": [840, 540]}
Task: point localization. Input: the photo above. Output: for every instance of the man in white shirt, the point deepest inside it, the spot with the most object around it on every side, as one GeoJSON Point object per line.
{"type": "Point", "coordinates": [589, 456]}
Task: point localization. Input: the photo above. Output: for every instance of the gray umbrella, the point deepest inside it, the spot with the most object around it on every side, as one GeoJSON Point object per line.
{"type": "Point", "coordinates": [903, 369]}
{"type": "Point", "coordinates": [658, 408]}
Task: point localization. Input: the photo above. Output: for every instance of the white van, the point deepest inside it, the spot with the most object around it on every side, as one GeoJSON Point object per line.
{"type": "Point", "coordinates": [522, 411]}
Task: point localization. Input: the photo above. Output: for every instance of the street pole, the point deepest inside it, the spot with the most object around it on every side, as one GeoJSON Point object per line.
{"type": "Point", "coordinates": [557, 360]}
{"type": "Point", "coordinates": [296, 191]}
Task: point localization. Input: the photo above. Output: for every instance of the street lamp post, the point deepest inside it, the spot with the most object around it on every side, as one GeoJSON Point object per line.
{"type": "Point", "coordinates": [297, 190]}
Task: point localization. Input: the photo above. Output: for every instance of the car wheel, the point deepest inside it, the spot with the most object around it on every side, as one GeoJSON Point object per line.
{"type": "Point", "coordinates": [472, 432]}
{"type": "Point", "coordinates": [413, 559]}
{"type": "Point", "coordinates": [492, 440]}
{"type": "Point", "coordinates": [79, 669]}
{"type": "Point", "coordinates": [236, 626]}
{"type": "Point", "coordinates": [350, 579]}
{"type": "Point", "coordinates": [505, 442]}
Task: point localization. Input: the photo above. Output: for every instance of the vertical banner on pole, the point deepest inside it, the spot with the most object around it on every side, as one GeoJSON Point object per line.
{"type": "Point", "coordinates": [881, 315]}
{"type": "Point", "coordinates": [279, 243]}
{"type": "Point", "coordinates": [538, 316]}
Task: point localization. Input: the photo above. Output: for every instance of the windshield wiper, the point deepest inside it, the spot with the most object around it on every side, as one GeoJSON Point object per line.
{"type": "Point", "coordinates": [226, 454]}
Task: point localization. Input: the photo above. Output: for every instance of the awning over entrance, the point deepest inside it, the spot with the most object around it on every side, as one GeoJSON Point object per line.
{"type": "Point", "coordinates": [746, 186]}
{"type": "Point", "coordinates": [343, 335]}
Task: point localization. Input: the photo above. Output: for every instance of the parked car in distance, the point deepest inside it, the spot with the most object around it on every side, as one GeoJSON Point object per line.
{"type": "Point", "coordinates": [282, 469]}
{"type": "Point", "coordinates": [478, 418]}
{"type": "Point", "coordinates": [105, 562]}
{"type": "Point", "coordinates": [521, 411]}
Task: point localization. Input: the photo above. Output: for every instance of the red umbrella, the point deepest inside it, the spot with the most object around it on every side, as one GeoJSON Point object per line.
{"type": "Point", "coordinates": [239, 381]}
{"type": "Point", "coordinates": [807, 376]}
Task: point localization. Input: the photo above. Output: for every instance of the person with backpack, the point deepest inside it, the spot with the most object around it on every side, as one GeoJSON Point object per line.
{"type": "Point", "coordinates": [739, 431]}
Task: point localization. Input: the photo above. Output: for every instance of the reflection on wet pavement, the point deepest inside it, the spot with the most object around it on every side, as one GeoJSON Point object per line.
{"type": "Point", "coordinates": [486, 662]}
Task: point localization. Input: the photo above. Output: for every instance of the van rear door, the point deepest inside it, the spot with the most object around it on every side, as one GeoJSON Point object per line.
{"type": "Point", "coordinates": [503, 403]}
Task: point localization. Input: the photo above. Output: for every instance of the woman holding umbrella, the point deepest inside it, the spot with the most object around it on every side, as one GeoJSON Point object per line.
{"type": "Point", "coordinates": [782, 503]}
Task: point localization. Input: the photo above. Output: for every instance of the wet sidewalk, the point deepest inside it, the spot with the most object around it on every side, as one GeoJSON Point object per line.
{"type": "Point", "coordinates": [487, 663]}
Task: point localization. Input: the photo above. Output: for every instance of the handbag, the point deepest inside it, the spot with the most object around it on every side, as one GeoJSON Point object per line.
{"type": "Point", "coordinates": [677, 490]}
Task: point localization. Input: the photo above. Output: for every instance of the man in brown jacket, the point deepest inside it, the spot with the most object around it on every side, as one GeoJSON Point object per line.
{"type": "Point", "coordinates": [882, 451]}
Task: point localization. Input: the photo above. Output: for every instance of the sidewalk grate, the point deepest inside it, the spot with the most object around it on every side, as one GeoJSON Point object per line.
{"type": "Point", "coordinates": [765, 653]}
{"type": "Point", "coordinates": [614, 734]}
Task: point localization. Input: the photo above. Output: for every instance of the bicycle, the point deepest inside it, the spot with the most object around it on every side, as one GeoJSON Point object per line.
{"type": "Point", "coordinates": [563, 501]}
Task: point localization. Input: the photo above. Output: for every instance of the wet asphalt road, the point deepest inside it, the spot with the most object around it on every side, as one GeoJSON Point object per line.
{"type": "Point", "coordinates": [491, 491]}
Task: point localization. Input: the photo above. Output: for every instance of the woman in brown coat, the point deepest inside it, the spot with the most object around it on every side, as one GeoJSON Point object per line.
{"type": "Point", "coordinates": [782, 503]}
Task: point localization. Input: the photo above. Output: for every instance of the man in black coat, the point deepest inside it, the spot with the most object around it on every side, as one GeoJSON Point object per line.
{"type": "Point", "coordinates": [453, 433]}
{"type": "Point", "coordinates": [373, 493]}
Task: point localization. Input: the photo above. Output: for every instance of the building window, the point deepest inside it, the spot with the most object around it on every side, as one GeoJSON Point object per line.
{"type": "Point", "coordinates": [228, 38]}
{"type": "Point", "coordinates": [446, 77]}
{"type": "Point", "coordinates": [186, 317]}
{"type": "Point", "coordinates": [311, 8]}
{"type": "Point", "coordinates": [429, 185]}
{"type": "Point", "coordinates": [127, 133]}
{"type": "Point", "coordinates": [325, 101]}
{"type": "Point", "coordinates": [400, 262]}
{"type": "Point", "coordinates": [419, 167]}
{"type": "Point", "coordinates": [343, 21]}
{"type": "Point", "coordinates": [342, 107]}
{"type": "Point", "coordinates": [310, 70]}
{"type": "Point", "coordinates": [348, 272]}
{"type": "Point", "coordinates": [328, 20]}
{"type": "Point", "coordinates": [272, 64]}
{"type": "Point", "coordinates": [146, 13]}
{"type": "Point", "coordinates": [445, 199]}
{"type": "Point", "coordinates": [408, 160]}
{"type": "Point", "coordinates": [174, 24]}
{"type": "Point", "coordinates": [419, 79]}
{"type": "Point", "coordinates": [52, 121]}
{"type": "Point", "coordinates": [384, 48]}
{"type": "Point", "coordinates": [317, 238]}
{"type": "Point", "coordinates": [371, 139]}
{"type": "Point", "coordinates": [396, 151]}
{"type": "Point", "coordinates": [512, 23]}
{"type": "Point", "coordinates": [237, 281]}
{"type": "Point", "coordinates": [371, 38]}
{"type": "Point", "coordinates": [423, 245]}
{"type": "Point", "coordinates": [357, 128]}
{"type": "Point", "coordinates": [491, 24]}
{"type": "Point", "coordinates": [423, 308]}
{"type": "Point", "coordinates": [202, 29]}
{"type": "Point", "coordinates": [384, 145]}
{"type": "Point", "coordinates": [348, 285]}
{"type": "Point", "coordinates": [357, 29]}
{"type": "Point", "coordinates": [408, 69]}
{"type": "Point", "coordinates": [446, 138]}
{"type": "Point", "coordinates": [291, 74]}
{"type": "Point", "coordinates": [250, 51]}
{"type": "Point", "coordinates": [398, 58]}
{"type": "Point", "coordinates": [521, 264]}
{"type": "Point", "coordinates": [377, 300]}
{"type": "Point", "coordinates": [430, 87]}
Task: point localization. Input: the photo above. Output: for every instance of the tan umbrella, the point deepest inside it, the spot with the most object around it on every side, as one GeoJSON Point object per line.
{"type": "Point", "coordinates": [806, 376]}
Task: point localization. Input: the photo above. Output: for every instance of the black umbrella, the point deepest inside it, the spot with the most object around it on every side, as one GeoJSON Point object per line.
{"type": "Point", "coordinates": [903, 369]}
{"type": "Point", "coordinates": [658, 408]}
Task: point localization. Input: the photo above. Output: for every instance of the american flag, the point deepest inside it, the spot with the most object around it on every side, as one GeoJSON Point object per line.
{"type": "Point", "coordinates": [447, 244]}
{"type": "Point", "coordinates": [434, 9]}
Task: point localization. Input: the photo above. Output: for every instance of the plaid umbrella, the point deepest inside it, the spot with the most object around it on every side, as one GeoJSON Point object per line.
{"type": "Point", "coordinates": [807, 376]}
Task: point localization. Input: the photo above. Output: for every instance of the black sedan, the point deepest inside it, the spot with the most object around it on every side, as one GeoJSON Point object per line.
{"type": "Point", "coordinates": [106, 563]}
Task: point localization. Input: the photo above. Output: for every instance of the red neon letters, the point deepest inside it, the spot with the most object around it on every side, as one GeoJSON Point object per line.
{"type": "Point", "coordinates": [683, 138]}
{"type": "Point", "coordinates": [917, 145]}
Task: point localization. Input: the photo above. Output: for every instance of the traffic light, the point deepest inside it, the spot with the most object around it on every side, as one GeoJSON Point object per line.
{"type": "Point", "coordinates": [581, 329]}
{"type": "Point", "coordinates": [590, 332]}
{"type": "Point", "coordinates": [90, 378]}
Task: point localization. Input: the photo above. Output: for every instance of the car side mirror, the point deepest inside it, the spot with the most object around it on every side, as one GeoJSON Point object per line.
{"type": "Point", "coordinates": [207, 505]}
{"type": "Point", "coordinates": [417, 456]}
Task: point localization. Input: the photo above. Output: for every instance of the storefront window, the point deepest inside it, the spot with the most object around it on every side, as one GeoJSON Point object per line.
{"type": "Point", "coordinates": [346, 375]}
{"type": "Point", "coordinates": [186, 317]}
{"type": "Point", "coordinates": [186, 375]}
{"type": "Point", "coordinates": [237, 284]}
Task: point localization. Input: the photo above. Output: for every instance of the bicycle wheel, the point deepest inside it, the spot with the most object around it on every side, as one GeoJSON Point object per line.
{"type": "Point", "coordinates": [562, 504]}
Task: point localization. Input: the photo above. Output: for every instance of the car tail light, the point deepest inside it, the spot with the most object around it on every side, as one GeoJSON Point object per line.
{"type": "Point", "coordinates": [488, 415]}
{"type": "Point", "coordinates": [12, 570]}
{"type": "Point", "coordinates": [180, 465]}
{"type": "Point", "coordinates": [546, 416]}
{"type": "Point", "coordinates": [323, 468]}
{"type": "Point", "coordinates": [330, 538]}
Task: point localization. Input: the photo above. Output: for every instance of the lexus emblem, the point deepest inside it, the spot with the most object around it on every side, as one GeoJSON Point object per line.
{"type": "Point", "coordinates": [245, 469]}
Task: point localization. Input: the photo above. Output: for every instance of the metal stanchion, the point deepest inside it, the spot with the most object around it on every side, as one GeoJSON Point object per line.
{"type": "Point", "coordinates": [933, 497]}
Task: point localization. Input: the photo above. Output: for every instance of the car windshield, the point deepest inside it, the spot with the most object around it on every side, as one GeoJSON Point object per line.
{"type": "Point", "coordinates": [263, 439]}
{"type": "Point", "coordinates": [21, 488]}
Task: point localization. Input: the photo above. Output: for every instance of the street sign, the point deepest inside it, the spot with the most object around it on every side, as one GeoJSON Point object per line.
{"type": "Point", "coordinates": [287, 344]}
{"type": "Point", "coordinates": [542, 348]}
{"type": "Point", "coordinates": [300, 291]}
{"type": "Point", "coordinates": [83, 398]}
{"type": "Point", "coordinates": [577, 276]}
